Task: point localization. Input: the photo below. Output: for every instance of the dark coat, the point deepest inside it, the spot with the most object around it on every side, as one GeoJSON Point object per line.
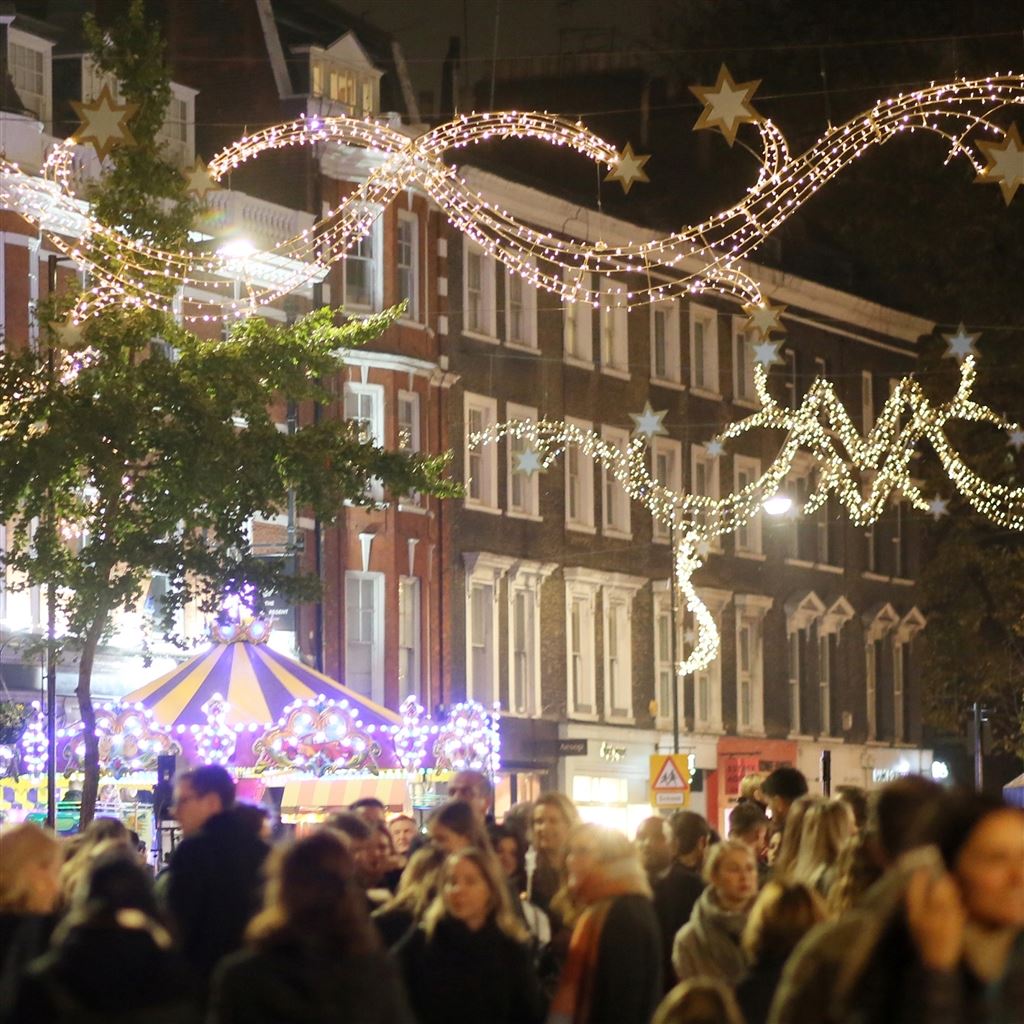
{"type": "Point", "coordinates": [393, 925]}
{"type": "Point", "coordinates": [457, 976]}
{"type": "Point", "coordinates": [755, 990]}
{"type": "Point", "coordinates": [23, 937]}
{"type": "Point", "coordinates": [627, 984]}
{"type": "Point", "coordinates": [214, 887]}
{"type": "Point", "coordinates": [106, 975]}
{"type": "Point", "coordinates": [675, 896]}
{"type": "Point", "coordinates": [298, 984]}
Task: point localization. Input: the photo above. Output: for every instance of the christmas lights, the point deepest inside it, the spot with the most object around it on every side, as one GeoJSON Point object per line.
{"type": "Point", "coordinates": [130, 740]}
{"type": "Point", "coordinates": [699, 258]}
{"type": "Point", "coordinates": [33, 744]}
{"type": "Point", "coordinates": [413, 735]}
{"type": "Point", "coordinates": [469, 740]}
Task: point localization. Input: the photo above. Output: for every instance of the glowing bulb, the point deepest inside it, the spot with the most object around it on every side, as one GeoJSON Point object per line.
{"type": "Point", "coordinates": [778, 504]}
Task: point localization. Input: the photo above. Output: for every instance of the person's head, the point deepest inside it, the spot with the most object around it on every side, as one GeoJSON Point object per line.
{"type": "Point", "coordinates": [981, 841]}
{"type": "Point", "coordinates": [699, 1001]}
{"type": "Point", "coordinates": [600, 860]}
{"type": "Point", "coordinates": [313, 897]}
{"type": "Point", "coordinates": [403, 830]}
{"type": "Point", "coordinates": [255, 818]}
{"type": "Point", "coordinates": [782, 788]}
{"type": "Point", "coordinates": [857, 799]}
{"type": "Point", "coordinates": [455, 826]}
{"type": "Point", "coordinates": [103, 828]}
{"type": "Point", "coordinates": [359, 836]}
{"type": "Point", "coordinates": [826, 826]}
{"type": "Point", "coordinates": [731, 870]}
{"type": "Point", "coordinates": [654, 844]}
{"type": "Point", "coordinates": [554, 816]}
{"type": "Point", "coordinates": [380, 853]}
{"type": "Point", "coordinates": [30, 863]}
{"type": "Point", "coordinates": [371, 810]}
{"type": "Point", "coordinates": [858, 867]}
{"type": "Point", "coordinates": [510, 851]}
{"type": "Point", "coordinates": [473, 788]}
{"type": "Point", "coordinates": [789, 848]}
{"type": "Point", "coordinates": [200, 794]}
{"type": "Point", "coordinates": [690, 837]}
{"type": "Point", "coordinates": [749, 824]}
{"type": "Point", "coordinates": [750, 787]}
{"type": "Point", "coordinates": [783, 913]}
{"type": "Point", "coordinates": [518, 818]}
{"type": "Point", "coordinates": [115, 880]}
{"type": "Point", "coordinates": [474, 892]}
{"type": "Point", "coordinates": [894, 810]}
{"type": "Point", "coordinates": [419, 883]}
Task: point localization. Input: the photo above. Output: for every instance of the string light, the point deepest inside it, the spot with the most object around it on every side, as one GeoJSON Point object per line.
{"type": "Point", "coordinates": [699, 258]}
{"type": "Point", "coordinates": [470, 739]}
{"type": "Point", "coordinates": [413, 735]}
{"type": "Point", "coordinates": [130, 740]}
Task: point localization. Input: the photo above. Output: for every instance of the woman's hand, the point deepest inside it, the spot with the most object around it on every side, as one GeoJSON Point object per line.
{"type": "Point", "coordinates": [936, 917]}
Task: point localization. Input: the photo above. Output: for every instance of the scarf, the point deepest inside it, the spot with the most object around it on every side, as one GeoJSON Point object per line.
{"type": "Point", "coordinates": [572, 1001]}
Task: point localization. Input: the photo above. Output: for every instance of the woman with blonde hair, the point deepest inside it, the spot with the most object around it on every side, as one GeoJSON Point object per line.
{"type": "Point", "coordinates": [553, 817]}
{"type": "Point", "coordinates": [416, 891]}
{"type": "Point", "coordinates": [455, 826]}
{"type": "Point", "coordinates": [469, 962]}
{"type": "Point", "coordinates": [783, 914]}
{"type": "Point", "coordinates": [613, 971]}
{"type": "Point", "coordinates": [825, 827]}
{"type": "Point", "coordinates": [699, 1001]}
{"type": "Point", "coordinates": [859, 866]}
{"type": "Point", "coordinates": [709, 945]}
{"type": "Point", "coordinates": [785, 855]}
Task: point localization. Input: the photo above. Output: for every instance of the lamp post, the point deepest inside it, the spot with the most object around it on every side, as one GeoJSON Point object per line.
{"type": "Point", "coordinates": [673, 634]}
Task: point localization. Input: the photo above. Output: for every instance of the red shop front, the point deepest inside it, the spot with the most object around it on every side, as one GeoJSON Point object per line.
{"type": "Point", "coordinates": [739, 756]}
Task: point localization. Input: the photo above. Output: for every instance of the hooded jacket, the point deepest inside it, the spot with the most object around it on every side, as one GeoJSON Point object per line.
{"type": "Point", "coordinates": [709, 944]}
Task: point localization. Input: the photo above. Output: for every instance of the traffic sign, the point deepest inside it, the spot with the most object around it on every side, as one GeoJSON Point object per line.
{"type": "Point", "coordinates": [670, 780]}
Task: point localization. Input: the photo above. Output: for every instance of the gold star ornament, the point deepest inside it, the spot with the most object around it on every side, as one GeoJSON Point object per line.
{"type": "Point", "coordinates": [199, 181]}
{"type": "Point", "coordinates": [1005, 163]}
{"type": "Point", "coordinates": [764, 319]}
{"type": "Point", "coordinates": [104, 123]}
{"type": "Point", "coordinates": [628, 168]}
{"type": "Point", "coordinates": [726, 104]}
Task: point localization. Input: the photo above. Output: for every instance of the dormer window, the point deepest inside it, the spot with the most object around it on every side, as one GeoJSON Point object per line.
{"type": "Point", "coordinates": [28, 59]}
{"type": "Point", "coordinates": [344, 74]}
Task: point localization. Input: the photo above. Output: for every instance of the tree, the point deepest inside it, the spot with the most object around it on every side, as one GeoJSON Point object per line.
{"type": "Point", "coordinates": [126, 460]}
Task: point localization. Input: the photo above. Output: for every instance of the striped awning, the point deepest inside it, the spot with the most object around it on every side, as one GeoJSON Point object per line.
{"type": "Point", "coordinates": [323, 796]}
{"type": "Point", "coordinates": [257, 682]}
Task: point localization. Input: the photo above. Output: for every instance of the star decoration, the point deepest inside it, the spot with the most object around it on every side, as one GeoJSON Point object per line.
{"type": "Point", "coordinates": [199, 180]}
{"type": "Point", "coordinates": [703, 548]}
{"type": "Point", "coordinates": [764, 319]}
{"type": "Point", "coordinates": [767, 353]}
{"type": "Point", "coordinates": [714, 448]}
{"type": "Point", "coordinates": [70, 334]}
{"type": "Point", "coordinates": [629, 167]}
{"type": "Point", "coordinates": [648, 423]}
{"type": "Point", "coordinates": [726, 104]}
{"type": "Point", "coordinates": [1005, 163]}
{"type": "Point", "coordinates": [104, 123]}
{"type": "Point", "coordinates": [529, 462]}
{"type": "Point", "coordinates": [938, 507]}
{"type": "Point", "coordinates": [1016, 438]}
{"type": "Point", "coordinates": [961, 344]}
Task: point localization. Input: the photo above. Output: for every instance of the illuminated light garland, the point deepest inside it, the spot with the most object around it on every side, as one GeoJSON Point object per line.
{"type": "Point", "coordinates": [130, 740]}
{"type": "Point", "coordinates": [216, 740]}
{"type": "Point", "coordinates": [34, 744]}
{"type": "Point", "coordinates": [470, 739]}
{"type": "Point", "coordinates": [412, 737]}
{"type": "Point", "coordinates": [699, 258]}
{"type": "Point", "coordinates": [862, 473]}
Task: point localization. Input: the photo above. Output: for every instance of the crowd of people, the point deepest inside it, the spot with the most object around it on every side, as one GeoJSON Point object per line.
{"type": "Point", "coordinates": [905, 907]}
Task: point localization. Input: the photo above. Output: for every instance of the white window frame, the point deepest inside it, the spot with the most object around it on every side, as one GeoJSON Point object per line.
{"type": "Point", "coordinates": [822, 535]}
{"type": "Point", "coordinates": [743, 390]}
{"type": "Point", "coordinates": [578, 322]}
{"type": "Point", "coordinates": [829, 625]}
{"type": "Point", "coordinates": [486, 327]}
{"type": "Point", "coordinates": [614, 328]}
{"type": "Point", "coordinates": [410, 639]}
{"type": "Point", "coordinates": [899, 706]}
{"type": "Point", "coordinates": [617, 632]}
{"type": "Point", "coordinates": [615, 503]}
{"type": "Point", "coordinates": [408, 219]}
{"type": "Point", "coordinates": [525, 581]}
{"type": "Point", "coordinates": [527, 310]}
{"type": "Point", "coordinates": [665, 449]}
{"type": "Point", "coordinates": [180, 143]}
{"type": "Point", "coordinates": [665, 671]}
{"type": "Point", "coordinates": [580, 644]}
{"type": "Point", "coordinates": [789, 371]}
{"type": "Point", "coordinates": [484, 572]}
{"type": "Point", "coordinates": [803, 612]}
{"type": "Point", "coordinates": [750, 612]}
{"type": "Point", "coordinates": [583, 521]}
{"type": "Point", "coordinates": [878, 624]}
{"type": "Point", "coordinates": [528, 507]}
{"type": "Point", "coordinates": [356, 253]}
{"type": "Point", "coordinates": [44, 48]}
{"type": "Point", "coordinates": [376, 579]}
{"type": "Point", "coordinates": [748, 537]}
{"type": "Point", "coordinates": [708, 382]}
{"type": "Point", "coordinates": [375, 394]}
{"type": "Point", "coordinates": [668, 310]}
{"type": "Point", "coordinates": [486, 456]}
{"type": "Point", "coordinates": [707, 716]}
{"type": "Point", "coordinates": [411, 399]}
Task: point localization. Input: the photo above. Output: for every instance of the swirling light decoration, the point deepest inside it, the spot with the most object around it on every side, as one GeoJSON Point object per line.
{"type": "Point", "coordinates": [701, 257]}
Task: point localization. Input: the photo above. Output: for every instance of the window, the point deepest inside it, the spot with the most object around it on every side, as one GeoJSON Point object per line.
{"type": "Point", "coordinates": [479, 292]}
{"type": "Point", "coordinates": [524, 595]}
{"type": "Point", "coordinates": [317, 79]}
{"type": "Point", "coordinates": [614, 327]}
{"type": "Point", "coordinates": [408, 636]}
{"type": "Point", "coordinates": [615, 501]}
{"type": "Point", "coordinates": [367, 105]}
{"type": "Point", "coordinates": [580, 642]}
{"type": "Point", "coordinates": [523, 488]}
{"type": "Point", "coordinates": [871, 686]}
{"type": "Point", "coordinates": [579, 485]}
{"type": "Point", "coordinates": [361, 271]}
{"type": "Point", "coordinates": [520, 311]}
{"type": "Point", "coordinates": [797, 486]}
{"type": "Point", "coordinates": [174, 132]}
{"type": "Point", "coordinates": [407, 263]}
{"type": "Point", "coordinates": [578, 323]}
{"type": "Point", "coordinates": [795, 645]}
{"type": "Point", "coordinates": [664, 667]}
{"type": "Point", "coordinates": [30, 70]}
{"type": "Point", "coordinates": [707, 683]}
{"type": "Point", "coordinates": [744, 671]}
{"type": "Point", "coordinates": [618, 673]}
{"type": "Point", "coordinates": [867, 401]}
{"type": "Point", "coordinates": [408, 433]}
{"type": "Point", "coordinates": [899, 704]}
{"type": "Point", "coordinates": [481, 467]}
{"type": "Point", "coordinates": [742, 362]}
{"type": "Point", "coordinates": [822, 520]}
{"type": "Point", "coordinates": [481, 675]}
{"type": "Point", "coordinates": [789, 381]}
{"type": "Point", "coordinates": [898, 565]}
{"type": "Point", "coordinates": [704, 349]}
{"type": "Point", "coordinates": [364, 633]}
{"type": "Point", "coordinates": [871, 548]}
{"type": "Point", "coordinates": [824, 684]}
{"type": "Point", "coordinates": [364, 408]}
{"type": "Point", "coordinates": [750, 612]}
{"type": "Point", "coordinates": [703, 472]}
{"type": "Point", "coordinates": [748, 536]}
{"type": "Point", "coordinates": [667, 469]}
{"type": "Point", "coordinates": [820, 368]}
{"type": "Point", "coordinates": [665, 362]}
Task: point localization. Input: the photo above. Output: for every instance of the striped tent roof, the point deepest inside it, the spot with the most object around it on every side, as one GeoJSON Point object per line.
{"type": "Point", "coordinates": [258, 683]}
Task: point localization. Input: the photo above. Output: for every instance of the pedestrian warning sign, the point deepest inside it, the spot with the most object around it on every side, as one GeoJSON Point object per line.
{"type": "Point", "coordinates": [670, 780]}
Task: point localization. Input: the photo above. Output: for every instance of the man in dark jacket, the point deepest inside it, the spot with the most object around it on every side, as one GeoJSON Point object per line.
{"type": "Point", "coordinates": [213, 883]}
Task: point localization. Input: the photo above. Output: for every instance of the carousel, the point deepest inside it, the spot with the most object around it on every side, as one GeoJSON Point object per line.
{"type": "Point", "coordinates": [296, 740]}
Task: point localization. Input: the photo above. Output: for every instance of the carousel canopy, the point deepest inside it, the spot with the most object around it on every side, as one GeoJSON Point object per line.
{"type": "Point", "coordinates": [256, 682]}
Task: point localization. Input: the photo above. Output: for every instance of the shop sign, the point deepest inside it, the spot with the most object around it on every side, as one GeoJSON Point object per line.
{"type": "Point", "coordinates": [611, 753]}
{"type": "Point", "coordinates": [572, 748]}
{"type": "Point", "coordinates": [670, 780]}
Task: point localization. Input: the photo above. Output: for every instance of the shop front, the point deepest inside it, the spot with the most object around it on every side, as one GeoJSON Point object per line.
{"type": "Point", "coordinates": [529, 757]}
{"type": "Point", "coordinates": [858, 764]}
{"type": "Point", "coordinates": [739, 756]}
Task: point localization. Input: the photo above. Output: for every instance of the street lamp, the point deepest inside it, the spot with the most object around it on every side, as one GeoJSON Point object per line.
{"type": "Point", "coordinates": [778, 504]}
